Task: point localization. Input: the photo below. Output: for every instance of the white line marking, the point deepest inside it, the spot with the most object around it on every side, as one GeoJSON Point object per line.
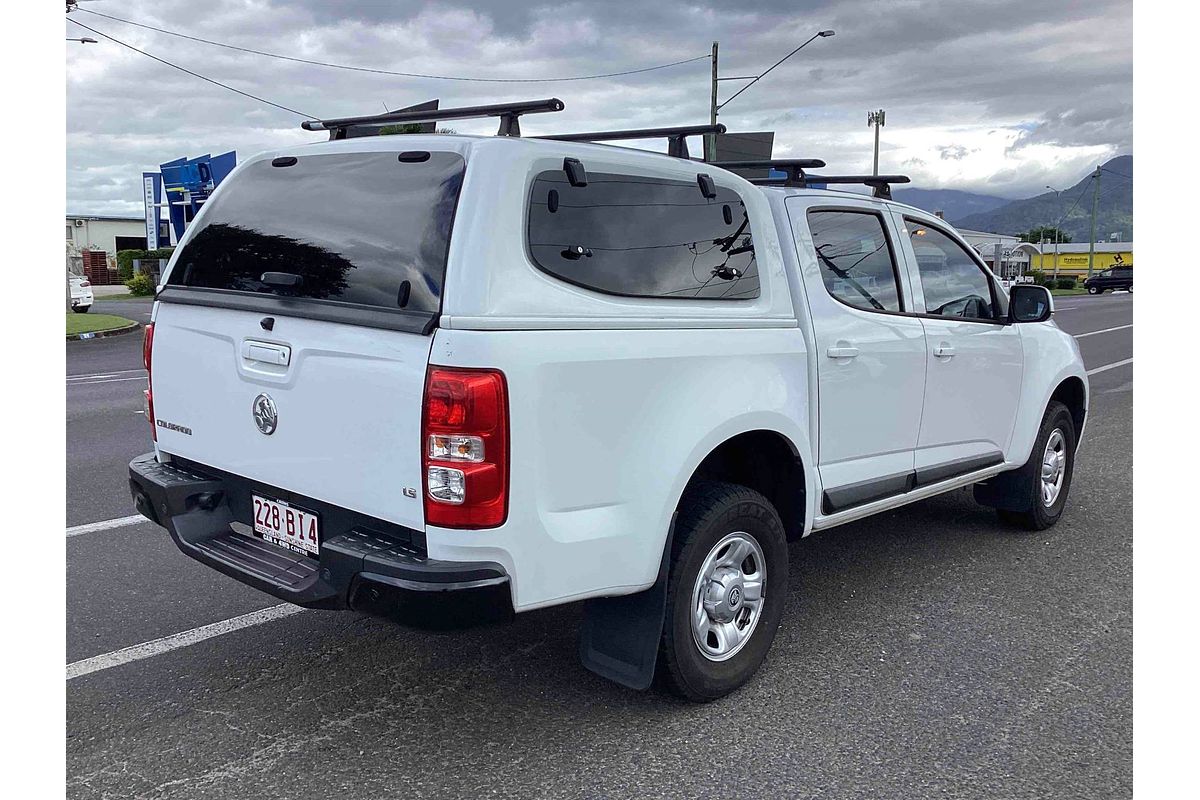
{"type": "Point", "coordinates": [1107, 367]}
{"type": "Point", "coordinates": [177, 640]}
{"type": "Point", "coordinates": [105, 380]}
{"type": "Point", "coordinates": [106, 525]}
{"type": "Point", "coordinates": [1106, 330]}
{"type": "Point", "coordinates": [112, 374]}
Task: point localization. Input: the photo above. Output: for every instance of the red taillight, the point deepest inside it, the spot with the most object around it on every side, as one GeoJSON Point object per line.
{"type": "Point", "coordinates": [464, 448]}
{"type": "Point", "coordinates": [148, 392]}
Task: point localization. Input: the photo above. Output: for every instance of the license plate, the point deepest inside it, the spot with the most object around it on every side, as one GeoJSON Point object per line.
{"type": "Point", "coordinates": [287, 526]}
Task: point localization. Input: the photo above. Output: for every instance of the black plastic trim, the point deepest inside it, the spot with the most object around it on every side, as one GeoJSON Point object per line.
{"type": "Point", "coordinates": [857, 494]}
{"type": "Point", "coordinates": [960, 466]}
{"type": "Point", "coordinates": [420, 322]}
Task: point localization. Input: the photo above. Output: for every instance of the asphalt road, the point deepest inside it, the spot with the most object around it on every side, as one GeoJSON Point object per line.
{"type": "Point", "coordinates": [926, 652]}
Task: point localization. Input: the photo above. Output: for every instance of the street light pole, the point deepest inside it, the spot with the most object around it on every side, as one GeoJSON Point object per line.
{"type": "Point", "coordinates": [715, 108]}
{"type": "Point", "coordinates": [875, 118]}
{"type": "Point", "coordinates": [1095, 199]}
{"type": "Point", "coordinates": [1057, 226]}
{"type": "Point", "coordinates": [710, 139]}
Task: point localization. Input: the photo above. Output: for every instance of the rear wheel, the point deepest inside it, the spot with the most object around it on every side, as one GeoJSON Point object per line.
{"type": "Point", "coordinates": [1038, 490]}
{"type": "Point", "coordinates": [81, 309]}
{"type": "Point", "coordinates": [725, 593]}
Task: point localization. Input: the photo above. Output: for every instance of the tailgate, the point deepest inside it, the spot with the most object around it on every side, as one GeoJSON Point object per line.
{"type": "Point", "coordinates": [347, 402]}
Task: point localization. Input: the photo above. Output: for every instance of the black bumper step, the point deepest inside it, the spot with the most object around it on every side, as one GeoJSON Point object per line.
{"type": "Point", "coordinates": [207, 513]}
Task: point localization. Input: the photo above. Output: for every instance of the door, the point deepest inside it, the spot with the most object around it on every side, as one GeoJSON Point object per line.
{"type": "Point", "coordinates": [974, 359]}
{"type": "Point", "coordinates": [870, 354]}
{"type": "Point", "coordinates": [289, 341]}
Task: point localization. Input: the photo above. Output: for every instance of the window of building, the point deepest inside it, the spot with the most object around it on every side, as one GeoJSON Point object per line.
{"type": "Point", "coordinates": [856, 259]}
{"type": "Point", "coordinates": [639, 236]}
{"type": "Point", "coordinates": [70, 231]}
{"type": "Point", "coordinates": [953, 283]}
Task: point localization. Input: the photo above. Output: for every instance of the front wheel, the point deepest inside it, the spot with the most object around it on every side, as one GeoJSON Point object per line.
{"type": "Point", "coordinates": [725, 593]}
{"type": "Point", "coordinates": [80, 309]}
{"type": "Point", "coordinates": [1036, 494]}
{"type": "Point", "coordinates": [1093, 290]}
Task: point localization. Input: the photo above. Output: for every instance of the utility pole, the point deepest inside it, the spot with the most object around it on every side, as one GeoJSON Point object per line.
{"type": "Point", "coordinates": [1095, 199]}
{"type": "Point", "coordinates": [710, 139]}
{"type": "Point", "coordinates": [875, 118]}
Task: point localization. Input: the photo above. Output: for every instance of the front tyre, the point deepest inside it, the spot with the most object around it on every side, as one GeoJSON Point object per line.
{"type": "Point", "coordinates": [725, 591]}
{"type": "Point", "coordinates": [1043, 483]}
{"type": "Point", "coordinates": [1093, 290]}
{"type": "Point", "coordinates": [80, 309]}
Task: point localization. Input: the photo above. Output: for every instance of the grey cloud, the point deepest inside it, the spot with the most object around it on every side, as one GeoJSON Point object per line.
{"type": "Point", "coordinates": [1022, 66]}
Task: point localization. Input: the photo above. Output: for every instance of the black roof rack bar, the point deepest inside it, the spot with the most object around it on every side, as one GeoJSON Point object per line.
{"type": "Point", "coordinates": [794, 167]}
{"type": "Point", "coordinates": [508, 113]}
{"type": "Point", "coordinates": [882, 184]}
{"type": "Point", "coordinates": [676, 136]}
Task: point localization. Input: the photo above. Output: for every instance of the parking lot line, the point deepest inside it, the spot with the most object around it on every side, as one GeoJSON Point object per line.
{"type": "Point", "coordinates": [1107, 367]}
{"type": "Point", "coordinates": [1106, 330]}
{"type": "Point", "coordinates": [107, 524]}
{"type": "Point", "coordinates": [177, 640]}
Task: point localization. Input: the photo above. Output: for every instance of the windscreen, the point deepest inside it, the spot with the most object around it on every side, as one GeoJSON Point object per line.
{"type": "Point", "coordinates": [370, 229]}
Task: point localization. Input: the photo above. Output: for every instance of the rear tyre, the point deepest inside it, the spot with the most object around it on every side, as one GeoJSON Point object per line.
{"type": "Point", "coordinates": [1038, 490]}
{"type": "Point", "coordinates": [725, 592]}
{"type": "Point", "coordinates": [81, 309]}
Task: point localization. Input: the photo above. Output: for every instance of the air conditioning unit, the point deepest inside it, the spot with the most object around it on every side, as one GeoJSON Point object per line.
{"type": "Point", "coordinates": [79, 223]}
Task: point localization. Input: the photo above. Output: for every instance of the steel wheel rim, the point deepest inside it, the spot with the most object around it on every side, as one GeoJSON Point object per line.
{"type": "Point", "coordinates": [728, 597]}
{"type": "Point", "coordinates": [1054, 467]}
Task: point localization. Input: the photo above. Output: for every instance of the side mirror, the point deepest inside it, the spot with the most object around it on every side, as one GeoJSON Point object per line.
{"type": "Point", "coordinates": [1028, 302]}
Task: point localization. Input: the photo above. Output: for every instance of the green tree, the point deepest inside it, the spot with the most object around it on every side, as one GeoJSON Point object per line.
{"type": "Point", "coordinates": [1045, 233]}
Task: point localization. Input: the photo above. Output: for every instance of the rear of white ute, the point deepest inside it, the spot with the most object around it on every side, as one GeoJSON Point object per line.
{"type": "Point", "coordinates": [303, 441]}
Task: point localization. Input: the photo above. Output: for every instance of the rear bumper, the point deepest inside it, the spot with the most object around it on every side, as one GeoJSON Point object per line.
{"type": "Point", "coordinates": [367, 565]}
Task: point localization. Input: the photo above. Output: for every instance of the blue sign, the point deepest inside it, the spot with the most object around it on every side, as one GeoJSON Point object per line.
{"type": "Point", "coordinates": [189, 182]}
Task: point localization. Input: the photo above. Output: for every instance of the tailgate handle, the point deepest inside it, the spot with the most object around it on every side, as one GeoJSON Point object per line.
{"type": "Point", "coordinates": [276, 354]}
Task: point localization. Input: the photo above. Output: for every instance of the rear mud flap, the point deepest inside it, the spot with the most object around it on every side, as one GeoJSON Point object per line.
{"type": "Point", "coordinates": [620, 635]}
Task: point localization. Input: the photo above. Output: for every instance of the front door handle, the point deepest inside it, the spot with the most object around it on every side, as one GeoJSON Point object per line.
{"type": "Point", "coordinates": [842, 351]}
{"type": "Point", "coordinates": [943, 350]}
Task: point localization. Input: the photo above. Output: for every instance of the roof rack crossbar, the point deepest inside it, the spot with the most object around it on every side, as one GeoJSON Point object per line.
{"type": "Point", "coordinates": [509, 114]}
{"type": "Point", "coordinates": [676, 136]}
{"type": "Point", "coordinates": [882, 184]}
{"type": "Point", "coordinates": [794, 167]}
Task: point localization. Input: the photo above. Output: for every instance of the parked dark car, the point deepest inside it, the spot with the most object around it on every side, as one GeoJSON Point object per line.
{"type": "Point", "coordinates": [1114, 278]}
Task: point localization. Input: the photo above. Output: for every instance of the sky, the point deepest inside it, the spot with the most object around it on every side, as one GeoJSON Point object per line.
{"type": "Point", "coordinates": [1001, 98]}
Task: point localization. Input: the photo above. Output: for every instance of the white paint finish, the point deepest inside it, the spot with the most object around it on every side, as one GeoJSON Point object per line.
{"type": "Point", "coordinates": [349, 405]}
{"type": "Point", "coordinates": [1106, 330]}
{"type": "Point", "coordinates": [492, 284]}
{"type": "Point", "coordinates": [605, 431]}
{"type": "Point", "coordinates": [175, 641]}
{"type": "Point", "coordinates": [970, 396]}
{"type": "Point", "coordinates": [1107, 367]}
{"type": "Point", "coordinates": [870, 404]}
{"type": "Point", "coordinates": [106, 525]}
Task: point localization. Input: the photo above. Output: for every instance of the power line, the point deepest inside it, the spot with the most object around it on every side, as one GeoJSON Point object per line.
{"type": "Point", "coordinates": [1119, 175]}
{"type": "Point", "coordinates": [190, 72]}
{"type": "Point", "coordinates": [375, 71]}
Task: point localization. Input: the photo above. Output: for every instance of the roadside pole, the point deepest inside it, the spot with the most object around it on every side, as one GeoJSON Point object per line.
{"type": "Point", "coordinates": [710, 139]}
{"type": "Point", "coordinates": [1095, 199]}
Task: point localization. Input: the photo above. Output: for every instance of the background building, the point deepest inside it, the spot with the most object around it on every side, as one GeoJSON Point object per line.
{"type": "Point", "coordinates": [1073, 257]}
{"type": "Point", "coordinates": [102, 236]}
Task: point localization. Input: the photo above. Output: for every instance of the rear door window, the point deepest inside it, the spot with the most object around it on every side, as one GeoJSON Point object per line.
{"type": "Point", "coordinates": [642, 236]}
{"type": "Point", "coordinates": [362, 228]}
{"type": "Point", "coordinates": [857, 265]}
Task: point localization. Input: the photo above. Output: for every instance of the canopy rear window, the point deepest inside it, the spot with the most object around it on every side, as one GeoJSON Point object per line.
{"type": "Point", "coordinates": [369, 229]}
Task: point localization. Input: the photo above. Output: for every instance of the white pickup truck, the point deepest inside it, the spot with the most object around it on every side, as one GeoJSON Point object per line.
{"type": "Point", "coordinates": [445, 377]}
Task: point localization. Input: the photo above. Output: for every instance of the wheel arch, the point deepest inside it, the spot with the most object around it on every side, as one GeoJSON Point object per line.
{"type": "Point", "coordinates": [771, 458]}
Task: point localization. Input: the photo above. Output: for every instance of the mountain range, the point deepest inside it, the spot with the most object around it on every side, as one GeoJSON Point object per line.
{"type": "Point", "coordinates": [1073, 206]}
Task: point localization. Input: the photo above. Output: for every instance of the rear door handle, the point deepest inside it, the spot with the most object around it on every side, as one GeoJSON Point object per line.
{"type": "Point", "coordinates": [943, 351]}
{"type": "Point", "coordinates": [842, 351]}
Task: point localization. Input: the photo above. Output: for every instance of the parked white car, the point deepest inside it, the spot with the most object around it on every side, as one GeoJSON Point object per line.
{"type": "Point", "coordinates": [441, 376]}
{"type": "Point", "coordinates": [81, 294]}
